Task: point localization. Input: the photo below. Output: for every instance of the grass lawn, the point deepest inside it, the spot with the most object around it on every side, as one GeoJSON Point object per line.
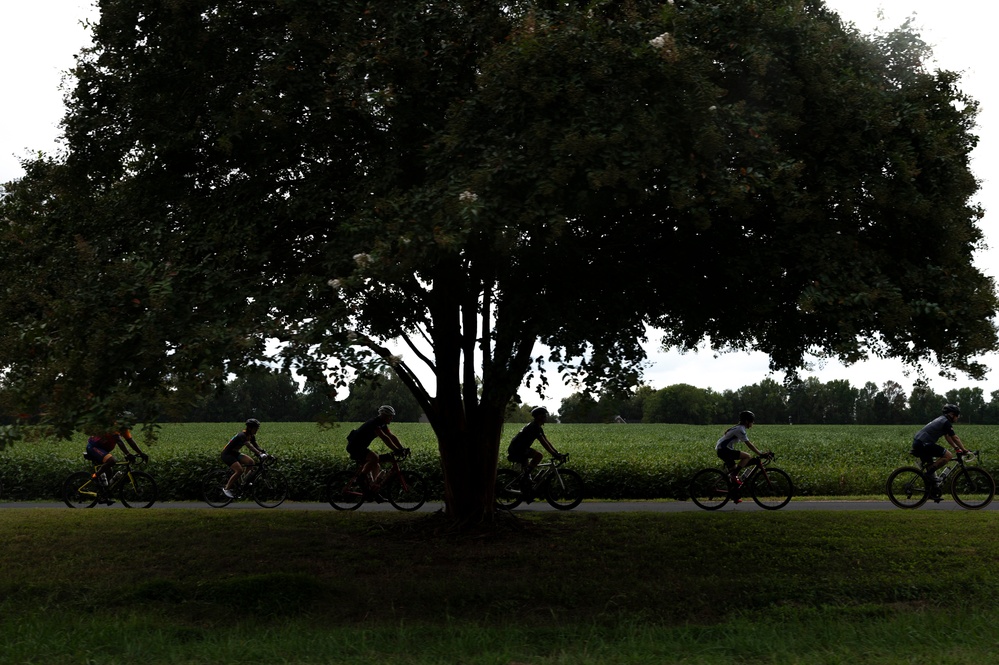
{"type": "Point", "coordinates": [201, 586]}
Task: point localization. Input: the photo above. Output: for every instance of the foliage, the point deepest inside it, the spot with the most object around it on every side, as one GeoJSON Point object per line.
{"type": "Point", "coordinates": [470, 179]}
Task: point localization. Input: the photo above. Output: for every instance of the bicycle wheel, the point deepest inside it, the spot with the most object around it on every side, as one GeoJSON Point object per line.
{"type": "Point", "coordinates": [771, 488]}
{"type": "Point", "coordinates": [270, 489]}
{"type": "Point", "coordinates": [907, 487]}
{"type": "Point", "coordinates": [973, 488]}
{"type": "Point", "coordinates": [508, 493]}
{"type": "Point", "coordinates": [407, 491]}
{"type": "Point", "coordinates": [80, 490]}
{"type": "Point", "coordinates": [709, 489]}
{"type": "Point", "coordinates": [137, 490]}
{"type": "Point", "coordinates": [211, 488]}
{"type": "Point", "coordinates": [344, 492]}
{"type": "Point", "coordinates": [564, 489]}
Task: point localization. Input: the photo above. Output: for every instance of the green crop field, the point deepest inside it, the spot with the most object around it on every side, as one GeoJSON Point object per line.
{"type": "Point", "coordinates": [617, 461]}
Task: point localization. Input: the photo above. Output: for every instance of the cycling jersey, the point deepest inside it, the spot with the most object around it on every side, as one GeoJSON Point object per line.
{"type": "Point", "coordinates": [237, 442]}
{"type": "Point", "coordinates": [530, 433]}
{"type": "Point", "coordinates": [732, 434]}
{"type": "Point", "coordinates": [935, 429]}
{"type": "Point", "coordinates": [100, 446]}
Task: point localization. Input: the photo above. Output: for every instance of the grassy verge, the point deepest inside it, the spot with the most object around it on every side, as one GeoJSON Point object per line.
{"type": "Point", "coordinates": [320, 587]}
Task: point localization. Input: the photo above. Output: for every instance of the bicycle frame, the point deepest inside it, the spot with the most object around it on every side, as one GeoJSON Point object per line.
{"type": "Point", "coordinates": [116, 479]}
{"type": "Point", "coordinates": [926, 462]}
{"type": "Point", "coordinates": [543, 470]}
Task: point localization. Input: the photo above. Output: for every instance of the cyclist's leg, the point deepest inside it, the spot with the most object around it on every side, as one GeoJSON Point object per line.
{"type": "Point", "coordinates": [731, 458]}
{"type": "Point", "coordinates": [534, 458]}
{"type": "Point", "coordinates": [100, 456]}
{"type": "Point", "coordinates": [933, 455]}
{"type": "Point", "coordinates": [371, 468]}
{"type": "Point", "coordinates": [234, 463]}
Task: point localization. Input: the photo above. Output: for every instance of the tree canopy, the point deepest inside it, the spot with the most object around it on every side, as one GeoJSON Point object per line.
{"type": "Point", "coordinates": [468, 179]}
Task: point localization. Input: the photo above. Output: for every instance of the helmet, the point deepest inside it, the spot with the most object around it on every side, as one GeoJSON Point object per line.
{"type": "Point", "coordinates": [951, 408]}
{"type": "Point", "coordinates": [747, 417]}
{"type": "Point", "coordinates": [539, 411]}
{"type": "Point", "coordinates": [386, 410]}
{"type": "Point", "coordinates": [252, 422]}
{"type": "Point", "coordinates": [126, 418]}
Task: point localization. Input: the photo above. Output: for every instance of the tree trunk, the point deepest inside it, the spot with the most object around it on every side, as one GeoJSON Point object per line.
{"type": "Point", "coordinates": [469, 455]}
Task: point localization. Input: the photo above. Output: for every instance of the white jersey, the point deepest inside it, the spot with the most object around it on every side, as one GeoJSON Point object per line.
{"type": "Point", "coordinates": [732, 434]}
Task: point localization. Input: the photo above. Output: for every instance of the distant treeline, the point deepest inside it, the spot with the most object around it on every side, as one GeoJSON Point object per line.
{"type": "Point", "coordinates": [274, 395]}
{"type": "Point", "coordinates": [805, 402]}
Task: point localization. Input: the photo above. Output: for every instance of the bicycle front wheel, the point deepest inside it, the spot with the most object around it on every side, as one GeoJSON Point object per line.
{"type": "Point", "coordinates": [508, 492]}
{"type": "Point", "coordinates": [408, 491]}
{"type": "Point", "coordinates": [771, 488]}
{"type": "Point", "coordinates": [137, 490]}
{"type": "Point", "coordinates": [270, 489]}
{"type": "Point", "coordinates": [344, 492]}
{"type": "Point", "coordinates": [564, 489]}
{"type": "Point", "coordinates": [907, 487]}
{"type": "Point", "coordinates": [973, 488]}
{"type": "Point", "coordinates": [80, 490]}
{"type": "Point", "coordinates": [709, 489]}
{"type": "Point", "coordinates": [211, 488]}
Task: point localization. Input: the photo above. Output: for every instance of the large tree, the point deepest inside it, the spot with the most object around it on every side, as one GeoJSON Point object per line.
{"type": "Point", "coordinates": [465, 179]}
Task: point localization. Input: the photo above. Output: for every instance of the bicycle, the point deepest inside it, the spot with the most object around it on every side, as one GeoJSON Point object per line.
{"type": "Point", "coordinates": [771, 488]}
{"type": "Point", "coordinates": [562, 488]}
{"type": "Point", "coordinates": [263, 484]}
{"type": "Point", "coordinates": [971, 486]}
{"type": "Point", "coordinates": [405, 490]}
{"type": "Point", "coordinates": [135, 489]}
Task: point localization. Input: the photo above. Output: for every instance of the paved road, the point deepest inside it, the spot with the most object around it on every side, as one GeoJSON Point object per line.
{"type": "Point", "coordinates": [585, 507]}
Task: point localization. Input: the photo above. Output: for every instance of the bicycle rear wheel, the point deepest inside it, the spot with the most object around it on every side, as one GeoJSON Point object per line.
{"type": "Point", "coordinates": [80, 490]}
{"type": "Point", "coordinates": [508, 493]}
{"type": "Point", "coordinates": [906, 487]}
{"type": "Point", "coordinates": [270, 489]}
{"type": "Point", "coordinates": [709, 489]}
{"type": "Point", "coordinates": [408, 491]}
{"type": "Point", "coordinates": [137, 490]}
{"type": "Point", "coordinates": [211, 488]}
{"type": "Point", "coordinates": [344, 492]}
{"type": "Point", "coordinates": [564, 489]}
{"type": "Point", "coordinates": [973, 488]}
{"type": "Point", "coordinates": [771, 488]}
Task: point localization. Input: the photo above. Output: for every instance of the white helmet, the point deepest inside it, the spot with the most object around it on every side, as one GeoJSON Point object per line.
{"type": "Point", "coordinates": [386, 410]}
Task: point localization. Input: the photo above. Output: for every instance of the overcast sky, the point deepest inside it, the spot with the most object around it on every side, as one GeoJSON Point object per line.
{"type": "Point", "coordinates": [38, 40]}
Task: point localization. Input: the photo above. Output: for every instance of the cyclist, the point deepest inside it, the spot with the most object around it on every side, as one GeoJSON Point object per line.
{"type": "Point", "coordinates": [736, 460]}
{"type": "Point", "coordinates": [359, 439]}
{"type": "Point", "coordinates": [239, 462]}
{"type": "Point", "coordinates": [925, 446]}
{"type": "Point", "coordinates": [100, 446]}
{"type": "Point", "coordinates": [520, 450]}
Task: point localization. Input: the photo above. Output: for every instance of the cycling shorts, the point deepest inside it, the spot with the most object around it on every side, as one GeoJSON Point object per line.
{"type": "Point", "coordinates": [231, 458]}
{"type": "Point", "coordinates": [728, 455]}
{"type": "Point", "coordinates": [925, 450]}
{"type": "Point", "coordinates": [358, 453]}
{"type": "Point", "coordinates": [96, 453]}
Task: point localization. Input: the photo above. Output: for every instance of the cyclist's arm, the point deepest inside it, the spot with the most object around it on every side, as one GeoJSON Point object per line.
{"type": "Point", "coordinates": [131, 442]}
{"type": "Point", "coordinates": [391, 440]}
{"type": "Point", "coordinates": [548, 446]}
{"type": "Point", "coordinates": [753, 447]}
{"type": "Point", "coordinates": [955, 442]}
{"type": "Point", "coordinates": [260, 452]}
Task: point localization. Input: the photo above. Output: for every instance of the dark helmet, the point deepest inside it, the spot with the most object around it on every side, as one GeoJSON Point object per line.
{"type": "Point", "coordinates": [747, 417]}
{"type": "Point", "coordinates": [252, 422]}
{"type": "Point", "coordinates": [951, 408]}
{"type": "Point", "coordinates": [538, 410]}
